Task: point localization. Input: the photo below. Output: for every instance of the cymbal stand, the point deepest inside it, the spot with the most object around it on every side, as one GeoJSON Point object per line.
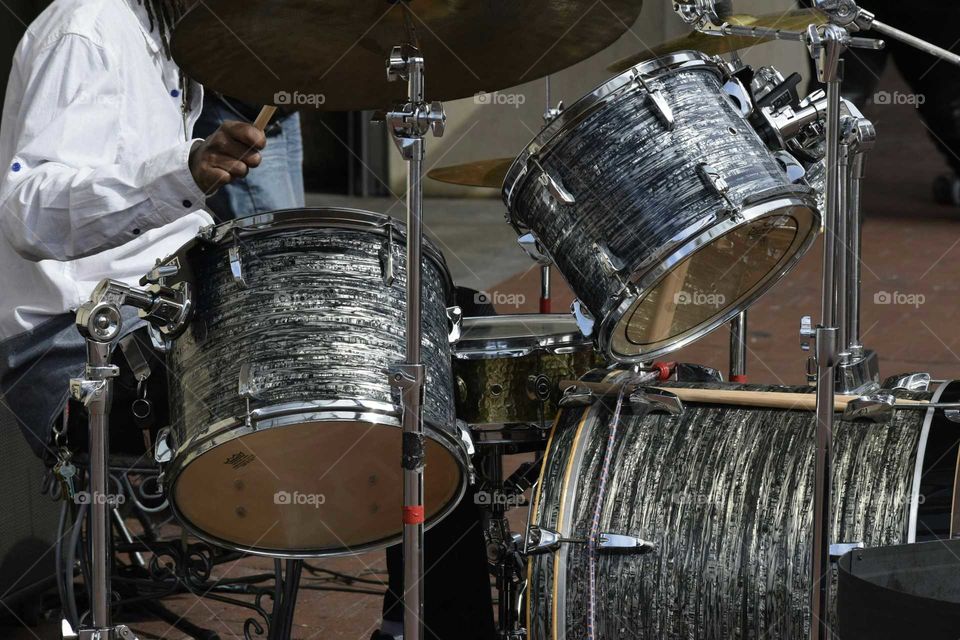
{"type": "Point", "coordinates": [827, 45]}
{"type": "Point", "coordinates": [409, 123]}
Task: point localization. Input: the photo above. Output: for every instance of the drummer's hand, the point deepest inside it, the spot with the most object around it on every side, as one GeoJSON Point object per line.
{"type": "Point", "coordinates": [229, 153]}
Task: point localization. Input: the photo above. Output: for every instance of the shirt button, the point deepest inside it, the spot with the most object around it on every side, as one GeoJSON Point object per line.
{"type": "Point", "coordinates": [187, 203]}
{"type": "Point", "coordinates": [16, 166]}
{"type": "Point", "coordinates": [175, 93]}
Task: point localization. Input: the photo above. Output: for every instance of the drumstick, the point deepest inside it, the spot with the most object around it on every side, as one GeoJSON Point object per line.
{"type": "Point", "coordinates": [263, 119]}
{"type": "Point", "coordinates": [738, 397]}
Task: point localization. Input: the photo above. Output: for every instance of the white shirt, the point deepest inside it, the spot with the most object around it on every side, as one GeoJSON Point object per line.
{"type": "Point", "coordinates": [94, 152]}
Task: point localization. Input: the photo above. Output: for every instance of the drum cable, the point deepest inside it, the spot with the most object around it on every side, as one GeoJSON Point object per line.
{"type": "Point", "coordinates": [594, 536]}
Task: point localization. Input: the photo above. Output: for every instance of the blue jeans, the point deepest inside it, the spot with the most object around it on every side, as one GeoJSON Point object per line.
{"type": "Point", "coordinates": [277, 183]}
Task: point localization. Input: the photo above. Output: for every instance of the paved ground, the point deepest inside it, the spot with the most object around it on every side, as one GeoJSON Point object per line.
{"type": "Point", "coordinates": [911, 298]}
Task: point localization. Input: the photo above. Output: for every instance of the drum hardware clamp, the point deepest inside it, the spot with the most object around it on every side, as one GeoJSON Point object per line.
{"type": "Point", "coordinates": [879, 408]}
{"type": "Point", "coordinates": [556, 188]}
{"type": "Point", "coordinates": [641, 398]}
{"type": "Point", "coordinates": [542, 541]}
{"type": "Point", "coordinates": [386, 255]}
{"type": "Point", "coordinates": [585, 320]}
{"type": "Point", "coordinates": [656, 98]}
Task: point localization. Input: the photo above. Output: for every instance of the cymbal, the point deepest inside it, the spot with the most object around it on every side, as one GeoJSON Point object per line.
{"type": "Point", "coordinates": [484, 173]}
{"type": "Point", "coordinates": [797, 20]}
{"type": "Point", "coordinates": [332, 54]}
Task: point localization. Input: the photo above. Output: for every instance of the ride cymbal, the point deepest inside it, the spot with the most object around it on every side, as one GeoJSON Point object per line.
{"type": "Point", "coordinates": [331, 54]}
{"type": "Point", "coordinates": [714, 44]}
{"type": "Point", "coordinates": [483, 173]}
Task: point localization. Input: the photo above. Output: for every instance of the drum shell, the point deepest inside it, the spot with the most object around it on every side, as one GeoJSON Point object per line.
{"type": "Point", "coordinates": [640, 197]}
{"type": "Point", "coordinates": [500, 362]}
{"type": "Point", "coordinates": [317, 326]}
{"type": "Point", "coordinates": [499, 390]}
{"type": "Point", "coordinates": [726, 494]}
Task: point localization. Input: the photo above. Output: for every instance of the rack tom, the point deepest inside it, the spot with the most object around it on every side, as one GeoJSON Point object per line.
{"type": "Point", "coordinates": [660, 205]}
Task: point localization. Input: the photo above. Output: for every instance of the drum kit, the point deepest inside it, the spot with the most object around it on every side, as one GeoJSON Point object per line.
{"type": "Point", "coordinates": [318, 352]}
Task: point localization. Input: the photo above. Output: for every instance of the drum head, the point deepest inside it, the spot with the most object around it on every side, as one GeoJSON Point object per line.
{"type": "Point", "coordinates": [709, 281]}
{"type": "Point", "coordinates": [310, 489]}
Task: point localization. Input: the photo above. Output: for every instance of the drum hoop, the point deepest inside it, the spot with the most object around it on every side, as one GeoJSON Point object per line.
{"type": "Point", "coordinates": [231, 426]}
{"type": "Point", "coordinates": [560, 343]}
{"type": "Point", "coordinates": [574, 114]}
{"type": "Point", "coordinates": [642, 282]}
{"type": "Point", "coordinates": [920, 463]}
{"type": "Point", "coordinates": [321, 218]}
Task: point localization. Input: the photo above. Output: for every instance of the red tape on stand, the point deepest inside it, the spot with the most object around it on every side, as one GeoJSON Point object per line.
{"type": "Point", "coordinates": [544, 305]}
{"type": "Point", "coordinates": [413, 515]}
{"type": "Point", "coordinates": [665, 369]}
{"type": "Point", "coordinates": [740, 379]}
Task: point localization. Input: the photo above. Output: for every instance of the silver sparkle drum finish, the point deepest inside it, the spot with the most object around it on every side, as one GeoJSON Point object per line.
{"type": "Point", "coordinates": [726, 495]}
{"type": "Point", "coordinates": [660, 205]}
{"type": "Point", "coordinates": [507, 368]}
{"type": "Point", "coordinates": [286, 432]}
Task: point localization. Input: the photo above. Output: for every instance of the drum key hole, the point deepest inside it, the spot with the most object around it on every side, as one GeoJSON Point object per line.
{"type": "Point", "coordinates": [496, 389]}
{"type": "Point", "coordinates": [732, 130]}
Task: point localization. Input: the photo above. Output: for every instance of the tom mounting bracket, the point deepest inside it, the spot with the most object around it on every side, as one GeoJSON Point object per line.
{"type": "Point", "coordinates": [410, 121]}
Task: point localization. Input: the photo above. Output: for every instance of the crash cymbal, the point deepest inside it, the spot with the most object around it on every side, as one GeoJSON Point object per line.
{"type": "Point", "coordinates": [484, 173]}
{"type": "Point", "coordinates": [331, 54]}
{"type": "Point", "coordinates": [717, 45]}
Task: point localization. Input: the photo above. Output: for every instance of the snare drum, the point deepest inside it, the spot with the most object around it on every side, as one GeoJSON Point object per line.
{"type": "Point", "coordinates": [660, 205]}
{"type": "Point", "coordinates": [507, 368]}
{"type": "Point", "coordinates": [286, 433]}
{"type": "Point", "coordinates": [725, 494]}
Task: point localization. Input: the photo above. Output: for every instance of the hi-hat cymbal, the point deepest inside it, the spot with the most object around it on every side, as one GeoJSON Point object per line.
{"type": "Point", "coordinates": [331, 54]}
{"type": "Point", "coordinates": [797, 20]}
{"type": "Point", "coordinates": [484, 173]}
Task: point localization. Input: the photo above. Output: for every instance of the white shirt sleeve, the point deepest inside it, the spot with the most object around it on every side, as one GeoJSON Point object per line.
{"type": "Point", "coordinates": [71, 189]}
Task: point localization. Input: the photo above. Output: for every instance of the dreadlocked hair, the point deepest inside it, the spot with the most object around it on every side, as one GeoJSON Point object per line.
{"type": "Point", "coordinates": [163, 15]}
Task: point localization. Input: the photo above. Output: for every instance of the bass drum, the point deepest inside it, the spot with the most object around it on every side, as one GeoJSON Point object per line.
{"type": "Point", "coordinates": [286, 435]}
{"type": "Point", "coordinates": [726, 495]}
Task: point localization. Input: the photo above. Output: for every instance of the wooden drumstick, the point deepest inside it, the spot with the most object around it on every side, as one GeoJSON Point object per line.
{"type": "Point", "coordinates": [263, 119]}
{"type": "Point", "coordinates": [738, 397]}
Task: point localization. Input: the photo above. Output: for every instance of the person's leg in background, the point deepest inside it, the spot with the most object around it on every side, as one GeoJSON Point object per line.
{"type": "Point", "coordinates": [935, 82]}
{"type": "Point", "coordinates": [278, 181]}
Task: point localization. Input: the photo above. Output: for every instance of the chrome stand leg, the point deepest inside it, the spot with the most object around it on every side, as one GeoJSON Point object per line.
{"type": "Point", "coordinates": [738, 348]}
{"type": "Point", "coordinates": [545, 288]}
{"type": "Point", "coordinates": [409, 123]}
{"type": "Point", "coordinates": [827, 45]}
{"type": "Point", "coordinates": [100, 323]}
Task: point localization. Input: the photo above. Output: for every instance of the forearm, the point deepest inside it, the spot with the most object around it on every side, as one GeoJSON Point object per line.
{"type": "Point", "coordinates": [55, 212]}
